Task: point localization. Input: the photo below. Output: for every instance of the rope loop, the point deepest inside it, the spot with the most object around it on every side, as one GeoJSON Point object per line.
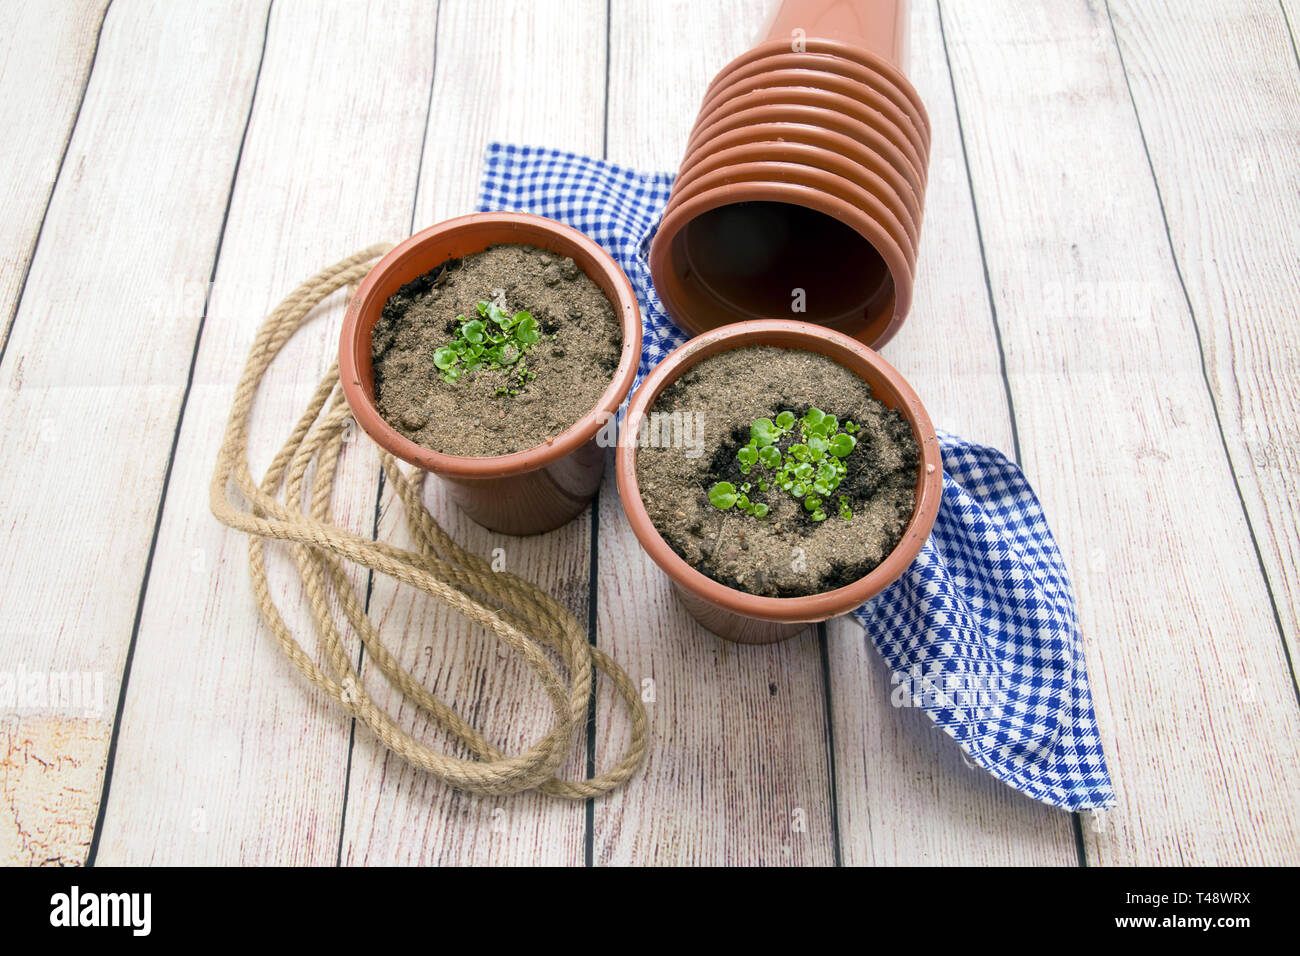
{"type": "Point", "coordinates": [286, 506]}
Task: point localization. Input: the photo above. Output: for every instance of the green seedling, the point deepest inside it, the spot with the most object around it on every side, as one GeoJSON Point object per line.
{"type": "Point", "coordinates": [810, 470]}
{"type": "Point", "coordinates": [497, 339]}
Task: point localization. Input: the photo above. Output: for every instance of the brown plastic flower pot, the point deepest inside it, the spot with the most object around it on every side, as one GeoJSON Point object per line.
{"type": "Point", "coordinates": [875, 78]}
{"type": "Point", "coordinates": [894, 216]}
{"type": "Point", "coordinates": [827, 82]}
{"type": "Point", "coordinates": [748, 618]}
{"type": "Point", "coordinates": [811, 177]}
{"type": "Point", "coordinates": [525, 492]}
{"type": "Point", "coordinates": [701, 282]}
{"type": "Point", "coordinates": [835, 103]}
{"type": "Point", "coordinates": [820, 138]}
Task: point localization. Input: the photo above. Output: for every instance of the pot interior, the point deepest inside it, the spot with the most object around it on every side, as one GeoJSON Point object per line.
{"type": "Point", "coordinates": [457, 243]}
{"type": "Point", "coordinates": [752, 258]}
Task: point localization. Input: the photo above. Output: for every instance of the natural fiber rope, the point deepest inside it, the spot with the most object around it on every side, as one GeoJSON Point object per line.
{"type": "Point", "coordinates": [516, 611]}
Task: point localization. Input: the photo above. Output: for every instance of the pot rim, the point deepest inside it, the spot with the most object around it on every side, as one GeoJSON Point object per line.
{"type": "Point", "coordinates": [826, 100]}
{"type": "Point", "coordinates": [796, 78]}
{"type": "Point", "coordinates": [675, 218]}
{"type": "Point", "coordinates": [576, 435]}
{"type": "Point", "coordinates": [820, 46]}
{"type": "Point", "coordinates": [818, 137]}
{"type": "Point", "coordinates": [819, 117]}
{"type": "Point", "coordinates": [813, 607]}
{"type": "Point", "coordinates": [741, 158]}
{"type": "Point", "coordinates": [834, 185]}
{"type": "Point", "coordinates": [786, 59]}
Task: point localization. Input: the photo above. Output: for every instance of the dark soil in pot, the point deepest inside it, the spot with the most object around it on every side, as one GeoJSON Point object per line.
{"type": "Point", "coordinates": [494, 353]}
{"type": "Point", "coordinates": [796, 547]}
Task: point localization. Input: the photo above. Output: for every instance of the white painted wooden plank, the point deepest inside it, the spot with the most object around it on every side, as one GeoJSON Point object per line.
{"type": "Point", "coordinates": [226, 755]}
{"type": "Point", "coordinates": [46, 53]}
{"type": "Point", "coordinates": [906, 794]}
{"type": "Point", "coordinates": [521, 72]}
{"type": "Point", "coordinates": [1217, 89]}
{"type": "Point", "coordinates": [95, 369]}
{"type": "Point", "coordinates": [1195, 700]}
{"type": "Point", "coordinates": [738, 770]}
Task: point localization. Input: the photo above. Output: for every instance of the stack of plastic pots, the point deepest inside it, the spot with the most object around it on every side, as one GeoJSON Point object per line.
{"type": "Point", "coordinates": [803, 184]}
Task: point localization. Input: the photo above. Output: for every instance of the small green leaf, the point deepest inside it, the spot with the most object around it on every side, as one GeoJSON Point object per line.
{"type": "Point", "coordinates": [785, 421]}
{"type": "Point", "coordinates": [473, 331]}
{"type": "Point", "coordinates": [760, 510]}
{"type": "Point", "coordinates": [764, 432]}
{"type": "Point", "coordinates": [812, 503]}
{"type": "Point", "coordinates": [747, 456]}
{"type": "Point", "coordinates": [803, 471]}
{"type": "Point", "coordinates": [841, 445]}
{"type": "Point", "coordinates": [770, 457]}
{"type": "Point", "coordinates": [445, 358]}
{"type": "Point", "coordinates": [722, 495]}
{"type": "Point", "coordinates": [812, 418]}
{"type": "Point", "coordinates": [526, 329]}
{"type": "Point", "coordinates": [817, 446]}
{"type": "Point", "coordinates": [801, 452]}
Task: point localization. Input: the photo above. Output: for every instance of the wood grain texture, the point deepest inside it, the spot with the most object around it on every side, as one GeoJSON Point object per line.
{"type": "Point", "coordinates": [100, 350]}
{"type": "Point", "coordinates": [521, 72]}
{"type": "Point", "coordinates": [738, 769]}
{"type": "Point", "coordinates": [226, 754]}
{"type": "Point", "coordinates": [45, 57]}
{"type": "Point", "coordinates": [1118, 432]}
{"type": "Point", "coordinates": [1217, 90]}
{"type": "Point", "coordinates": [907, 795]}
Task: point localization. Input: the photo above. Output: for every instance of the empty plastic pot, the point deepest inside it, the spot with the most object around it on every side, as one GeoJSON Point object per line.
{"type": "Point", "coordinates": [752, 248]}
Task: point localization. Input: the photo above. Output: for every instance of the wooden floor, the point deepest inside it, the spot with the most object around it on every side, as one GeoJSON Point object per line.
{"type": "Point", "coordinates": [1108, 289]}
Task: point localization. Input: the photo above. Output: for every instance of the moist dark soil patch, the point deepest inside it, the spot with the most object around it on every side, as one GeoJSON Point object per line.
{"type": "Point", "coordinates": [787, 553]}
{"type": "Point", "coordinates": [573, 362]}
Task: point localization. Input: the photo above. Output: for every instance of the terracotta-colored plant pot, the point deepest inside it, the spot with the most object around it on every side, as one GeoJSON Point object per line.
{"type": "Point", "coordinates": [834, 103]}
{"type": "Point", "coordinates": [525, 492]}
{"type": "Point", "coordinates": [815, 136]}
{"type": "Point", "coordinates": [738, 615]}
{"type": "Point", "coordinates": [851, 85]}
{"type": "Point", "coordinates": [827, 82]}
{"type": "Point", "coordinates": [833, 185]}
{"type": "Point", "coordinates": [894, 216]}
{"type": "Point", "coordinates": [878, 79]}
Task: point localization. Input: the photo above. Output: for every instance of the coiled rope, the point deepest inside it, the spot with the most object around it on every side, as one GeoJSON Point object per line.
{"type": "Point", "coordinates": [516, 611]}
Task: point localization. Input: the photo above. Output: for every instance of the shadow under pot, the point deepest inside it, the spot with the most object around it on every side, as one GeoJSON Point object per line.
{"type": "Point", "coordinates": [779, 474]}
{"type": "Point", "coordinates": [507, 363]}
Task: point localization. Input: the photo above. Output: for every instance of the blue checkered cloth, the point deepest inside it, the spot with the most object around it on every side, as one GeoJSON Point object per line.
{"type": "Point", "coordinates": [981, 631]}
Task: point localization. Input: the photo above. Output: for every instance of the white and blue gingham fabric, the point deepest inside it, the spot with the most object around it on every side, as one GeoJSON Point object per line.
{"type": "Point", "coordinates": [981, 631]}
